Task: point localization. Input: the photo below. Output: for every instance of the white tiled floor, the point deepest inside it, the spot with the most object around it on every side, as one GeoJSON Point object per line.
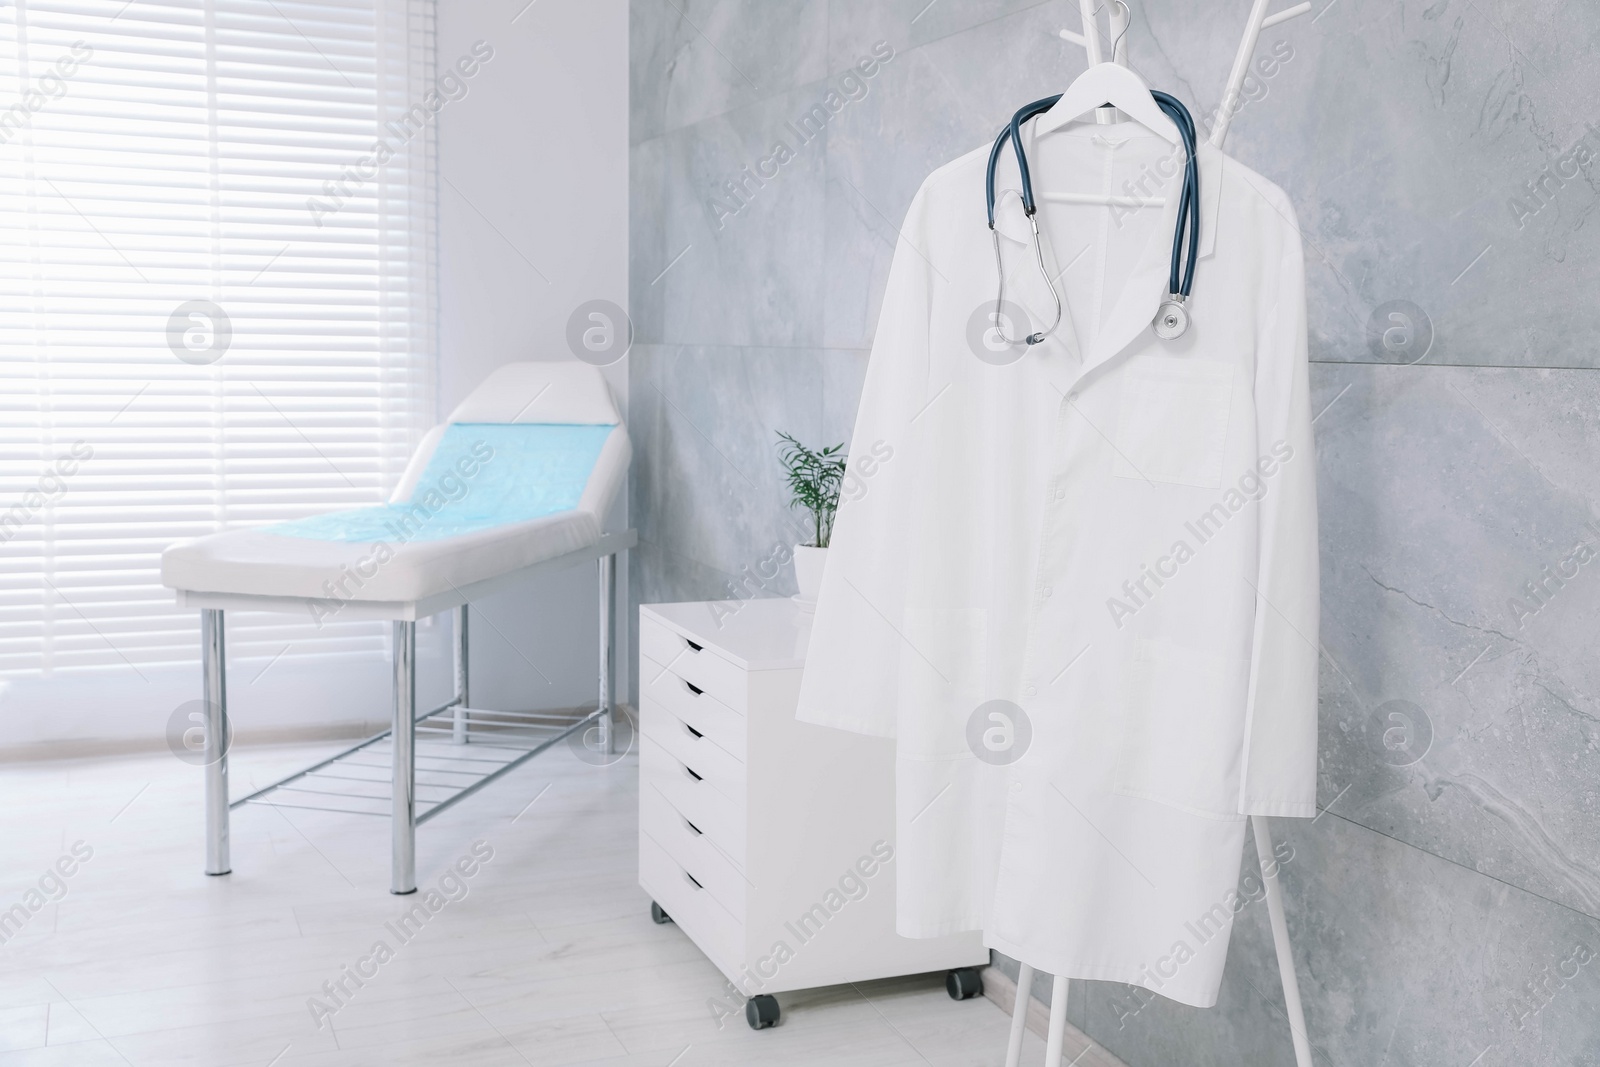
{"type": "Point", "coordinates": [550, 958]}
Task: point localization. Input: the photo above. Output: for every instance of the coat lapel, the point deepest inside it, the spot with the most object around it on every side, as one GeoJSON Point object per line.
{"type": "Point", "coordinates": [1024, 287]}
{"type": "Point", "coordinates": [1146, 287]}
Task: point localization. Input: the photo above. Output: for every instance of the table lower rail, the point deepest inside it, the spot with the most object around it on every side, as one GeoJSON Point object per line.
{"type": "Point", "coordinates": [357, 781]}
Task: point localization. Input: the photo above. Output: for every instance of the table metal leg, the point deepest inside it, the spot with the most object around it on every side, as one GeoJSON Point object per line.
{"type": "Point", "coordinates": [608, 717]}
{"type": "Point", "coordinates": [213, 677]}
{"type": "Point", "coordinates": [458, 726]}
{"type": "Point", "coordinates": [403, 818]}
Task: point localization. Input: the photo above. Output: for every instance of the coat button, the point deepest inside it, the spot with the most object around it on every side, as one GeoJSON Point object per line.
{"type": "Point", "coordinates": [1061, 494]}
{"type": "Point", "coordinates": [1032, 690]}
{"type": "Point", "coordinates": [1045, 590]}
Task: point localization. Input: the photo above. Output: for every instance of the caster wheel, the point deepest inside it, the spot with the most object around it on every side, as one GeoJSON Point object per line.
{"type": "Point", "coordinates": [963, 983]}
{"type": "Point", "coordinates": [761, 1011]}
{"type": "Point", "coordinates": [657, 915]}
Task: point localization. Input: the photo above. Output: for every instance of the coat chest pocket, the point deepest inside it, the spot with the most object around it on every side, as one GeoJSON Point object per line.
{"type": "Point", "coordinates": [1172, 422]}
{"type": "Point", "coordinates": [1181, 731]}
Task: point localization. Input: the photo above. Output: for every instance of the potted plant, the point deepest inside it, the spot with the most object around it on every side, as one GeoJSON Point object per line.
{"type": "Point", "coordinates": [814, 479]}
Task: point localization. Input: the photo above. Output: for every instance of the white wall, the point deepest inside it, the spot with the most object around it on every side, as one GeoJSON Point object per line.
{"type": "Point", "coordinates": [533, 180]}
{"type": "Point", "coordinates": [533, 221]}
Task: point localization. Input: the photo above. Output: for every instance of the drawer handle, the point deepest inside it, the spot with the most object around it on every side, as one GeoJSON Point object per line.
{"type": "Point", "coordinates": [693, 828]}
{"type": "Point", "coordinates": [690, 772]}
{"type": "Point", "coordinates": [691, 687]}
{"type": "Point", "coordinates": [692, 880]}
{"type": "Point", "coordinates": [692, 646]}
{"type": "Point", "coordinates": [691, 729]}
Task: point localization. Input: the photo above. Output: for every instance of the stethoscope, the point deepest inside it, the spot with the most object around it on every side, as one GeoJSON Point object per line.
{"type": "Point", "coordinates": [1171, 318]}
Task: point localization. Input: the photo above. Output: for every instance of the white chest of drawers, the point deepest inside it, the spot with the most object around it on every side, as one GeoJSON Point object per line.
{"type": "Point", "coordinates": [770, 842]}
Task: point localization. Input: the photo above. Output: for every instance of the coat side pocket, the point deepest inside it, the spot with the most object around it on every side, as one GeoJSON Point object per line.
{"type": "Point", "coordinates": [1172, 422]}
{"type": "Point", "coordinates": [1179, 744]}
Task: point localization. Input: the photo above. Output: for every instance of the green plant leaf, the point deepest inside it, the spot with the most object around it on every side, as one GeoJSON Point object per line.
{"type": "Point", "coordinates": [814, 478]}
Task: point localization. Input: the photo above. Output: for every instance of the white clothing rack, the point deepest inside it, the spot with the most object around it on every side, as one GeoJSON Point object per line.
{"type": "Point", "coordinates": [1089, 39]}
{"type": "Point", "coordinates": [1121, 16]}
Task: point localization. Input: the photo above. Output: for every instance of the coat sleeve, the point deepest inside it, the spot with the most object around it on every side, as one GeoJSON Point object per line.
{"type": "Point", "coordinates": [852, 671]}
{"type": "Point", "coordinates": [1280, 742]}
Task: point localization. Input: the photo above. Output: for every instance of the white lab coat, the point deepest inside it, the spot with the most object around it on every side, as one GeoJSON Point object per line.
{"type": "Point", "coordinates": [1115, 532]}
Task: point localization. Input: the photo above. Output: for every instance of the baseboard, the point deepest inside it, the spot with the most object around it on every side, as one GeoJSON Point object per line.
{"type": "Point", "coordinates": [94, 748]}
{"type": "Point", "coordinates": [99, 748]}
{"type": "Point", "coordinates": [1077, 1048]}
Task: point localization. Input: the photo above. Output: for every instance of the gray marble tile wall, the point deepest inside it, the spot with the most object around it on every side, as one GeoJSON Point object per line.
{"type": "Point", "coordinates": [1445, 907]}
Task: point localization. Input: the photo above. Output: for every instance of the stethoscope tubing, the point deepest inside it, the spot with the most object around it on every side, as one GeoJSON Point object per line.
{"type": "Point", "coordinates": [1185, 238]}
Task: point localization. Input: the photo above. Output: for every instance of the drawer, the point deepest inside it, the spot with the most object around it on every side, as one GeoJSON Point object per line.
{"type": "Point", "coordinates": [693, 663]}
{"type": "Point", "coordinates": [693, 749]}
{"type": "Point", "coordinates": [663, 778]}
{"type": "Point", "coordinates": [696, 853]}
{"type": "Point", "coordinates": [708, 924]}
{"type": "Point", "coordinates": [718, 722]}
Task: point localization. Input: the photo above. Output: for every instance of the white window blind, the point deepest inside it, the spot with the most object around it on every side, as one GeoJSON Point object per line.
{"type": "Point", "coordinates": [214, 301]}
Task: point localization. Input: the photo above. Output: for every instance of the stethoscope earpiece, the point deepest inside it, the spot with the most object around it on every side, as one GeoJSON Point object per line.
{"type": "Point", "coordinates": [1172, 318]}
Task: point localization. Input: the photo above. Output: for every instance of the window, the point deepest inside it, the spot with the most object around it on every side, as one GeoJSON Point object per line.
{"type": "Point", "coordinates": [216, 301]}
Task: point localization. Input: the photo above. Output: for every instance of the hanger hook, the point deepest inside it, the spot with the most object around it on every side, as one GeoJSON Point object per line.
{"type": "Point", "coordinates": [1128, 11]}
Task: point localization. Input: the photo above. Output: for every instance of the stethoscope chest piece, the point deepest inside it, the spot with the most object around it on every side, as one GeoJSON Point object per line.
{"type": "Point", "coordinates": [1171, 319]}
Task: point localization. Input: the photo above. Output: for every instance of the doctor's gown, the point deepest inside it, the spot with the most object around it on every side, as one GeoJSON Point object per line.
{"type": "Point", "coordinates": [1077, 582]}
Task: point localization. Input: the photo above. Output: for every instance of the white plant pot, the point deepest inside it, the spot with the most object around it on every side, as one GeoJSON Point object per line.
{"type": "Point", "coordinates": [808, 564]}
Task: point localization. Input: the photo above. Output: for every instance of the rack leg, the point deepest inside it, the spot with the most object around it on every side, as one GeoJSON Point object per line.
{"type": "Point", "coordinates": [403, 817]}
{"type": "Point", "coordinates": [608, 719]}
{"type": "Point", "coordinates": [1058, 1022]}
{"type": "Point", "coordinates": [213, 668]}
{"type": "Point", "coordinates": [1280, 938]}
{"type": "Point", "coordinates": [1019, 1015]}
{"type": "Point", "coordinates": [458, 726]}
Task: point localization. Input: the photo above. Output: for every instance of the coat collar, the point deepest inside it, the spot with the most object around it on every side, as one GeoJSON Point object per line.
{"type": "Point", "coordinates": [1146, 285]}
{"type": "Point", "coordinates": [1012, 222]}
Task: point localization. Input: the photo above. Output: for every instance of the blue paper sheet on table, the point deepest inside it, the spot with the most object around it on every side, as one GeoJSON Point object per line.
{"type": "Point", "coordinates": [482, 475]}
